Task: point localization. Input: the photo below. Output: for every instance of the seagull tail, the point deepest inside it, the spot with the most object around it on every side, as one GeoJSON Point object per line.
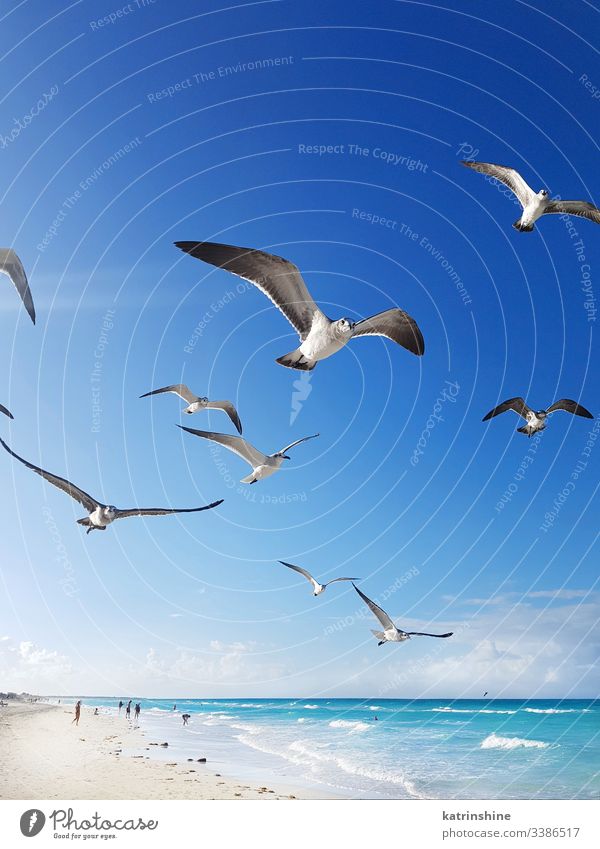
{"type": "Point", "coordinates": [379, 634]}
{"type": "Point", "coordinates": [296, 359]}
{"type": "Point", "coordinates": [518, 225]}
{"type": "Point", "coordinates": [249, 479]}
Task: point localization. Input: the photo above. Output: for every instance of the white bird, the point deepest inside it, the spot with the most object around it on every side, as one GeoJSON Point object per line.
{"type": "Point", "coordinates": [390, 633]}
{"type": "Point", "coordinates": [317, 587]}
{"type": "Point", "coordinates": [101, 515]}
{"type": "Point", "coordinates": [6, 412]}
{"type": "Point", "coordinates": [281, 281]}
{"type": "Point", "coordinates": [11, 265]}
{"type": "Point", "coordinates": [196, 402]}
{"type": "Point", "coordinates": [263, 465]}
{"type": "Point", "coordinates": [535, 204]}
{"type": "Point", "coordinates": [536, 420]}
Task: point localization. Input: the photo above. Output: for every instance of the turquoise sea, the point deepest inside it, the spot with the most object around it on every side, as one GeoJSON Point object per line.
{"type": "Point", "coordinates": [387, 749]}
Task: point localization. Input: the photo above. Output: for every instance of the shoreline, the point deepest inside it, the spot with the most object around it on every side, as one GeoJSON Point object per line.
{"type": "Point", "coordinates": [45, 756]}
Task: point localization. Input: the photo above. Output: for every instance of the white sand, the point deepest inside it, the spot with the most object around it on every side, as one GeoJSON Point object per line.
{"type": "Point", "coordinates": [45, 756]}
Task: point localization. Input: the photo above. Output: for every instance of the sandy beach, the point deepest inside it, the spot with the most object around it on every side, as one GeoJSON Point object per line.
{"type": "Point", "coordinates": [45, 756]}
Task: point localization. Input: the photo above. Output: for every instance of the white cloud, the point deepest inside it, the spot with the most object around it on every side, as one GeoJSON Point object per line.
{"type": "Point", "coordinates": [27, 666]}
{"type": "Point", "coordinates": [565, 595]}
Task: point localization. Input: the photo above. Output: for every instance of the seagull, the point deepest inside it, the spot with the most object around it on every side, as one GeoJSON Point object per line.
{"type": "Point", "coordinates": [196, 403]}
{"type": "Point", "coordinates": [390, 633]}
{"type": "Point", "coordinates": [263, 465]}
{"type": "Point", "coordinates": [318, 588]}
{"type": "Point", "coordinates": [281, 281]}
{"type": "Point", "coordinates": [11, 265]}
{"type": "Point", "coordinates": [485, 694]}
{"type": "Point", "coordinates": [101, 515]}
{"type": "Point", "coordinates": [534, 204]}
{"type": "Point", "coordinates": [6, 412]}
{"type": "Point", "coordinates": [536, 421]}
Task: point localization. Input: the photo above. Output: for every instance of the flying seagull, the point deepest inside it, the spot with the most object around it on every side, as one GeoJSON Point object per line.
{"type": "Point", "coordinates": [196, 403]}
{"type": "Point", "coordinates": [390, 633]}
{"type": "Point", "coordinates": [263, 465]}
{"type": "Point", "coordinates": [281, 281]}
{"type": "Point", "coordinates": [101, 515]}
{"type": "Point", "coordinates": [534, 204]}
{"type": "Point", "coordinates": [318, 588]}
{"type": "Point", "coordinates": [536, 421]}
{"type": "Point", "coordinates": [11, 265]}
{"type": "Point", "coordinates": [6, 412]}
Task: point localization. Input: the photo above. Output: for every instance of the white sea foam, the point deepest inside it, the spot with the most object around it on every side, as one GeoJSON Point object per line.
{"type": "Point", "coordinates": [451, 710]}
{"type": "Point", "coordinates": [311, 707]}
{"type": "Point", "coordinates": [352, 768]}
{"type": "Point", "coordinates": [375, 707]}
{"type": "Point", "coordinates": [496, 742]}
{"type": "Point", "coordinates": [353, 727]}
{"type": "Point", "coordinates": [551, 710]}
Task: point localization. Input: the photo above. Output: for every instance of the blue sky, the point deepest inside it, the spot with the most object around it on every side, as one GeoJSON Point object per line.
{"type": "Point", "coordinates": [162, 122]}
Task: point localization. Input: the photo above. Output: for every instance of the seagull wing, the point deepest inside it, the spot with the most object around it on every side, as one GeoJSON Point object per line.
{"type": "Point", "coordinates": [570, 407]}
{"type": "Point", "coordinates": [177, 389]}
{"type": "Point", "coordinates": [301, 571]}
{"type": "Point", "coordinates": [277, 278]}
{"type": "Point", "coordinates": [236, 444]}
{"type": "Point", "coordinates": [228, 408]}
{"type": "Point", "coordinates": [516, 404]}
{"type": "Point", "coordinates": [575, 207]}
{"type": "Point", "coordinates": [163, 511]}
{"type": "Point", "coordinates": [333, 581]}
{"type": "Point", "coordinates": [11, 265]}
{"type": "Point", "coordinates": [424, 634]}
{"type": "Point", "coordinates": [79, 495]}
{"type": "Point", "coordinates": [508, 176]}
{"type": "Point", "coordinates": [6, 412]}
{"type": "Point", "coordinates": [379, 613]}
{"type": "Point", "coordinates": [297, 442]}
{"type": "Point", "coordinates": [396, 325]}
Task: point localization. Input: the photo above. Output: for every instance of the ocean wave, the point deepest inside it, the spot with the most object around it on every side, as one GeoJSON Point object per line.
{"type": "Point", "coordinates": [353, 727]}
{"type": "Point", "coordinates": [311, 707]}
{"type": "Point", "coordinates": [352, 768]}
{"type": "Point", "coordinates": [375, 707]}
{"type": "Point", "coordinates": [551, 710]}
{"type": "Point", "coordinates": [496, 742]}
{"type": "Point", "coordinates": [451, 710]}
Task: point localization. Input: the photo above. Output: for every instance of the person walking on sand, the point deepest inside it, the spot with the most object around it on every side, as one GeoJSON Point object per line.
{"type": "Point", "coordinates": [185, 717]}
{"type": "Point", "coordinates": [128, 710]}
{"type": "Point", "coordinates": [120, 706]}
{"type": "Point", "coordinates": [77, 714]}
{"type": "Point", "coordinates": [137, 713]}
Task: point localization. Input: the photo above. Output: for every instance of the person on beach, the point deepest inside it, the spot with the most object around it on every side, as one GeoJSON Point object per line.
{"type": "Point", "coordinates": [185, 717]}
{"type": "Point", "coordinates": [128, 709]}
{"type": "Point", "coordinates": [95, 711]}
{"type": "Point", "coordinates": [174, 707]}
{"type": "Point", "coordinates": [77, 714]}
{"type": "Point", "coordinates": [120, 706]}
{"type": "Point", "coordinates": [137, 713]}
